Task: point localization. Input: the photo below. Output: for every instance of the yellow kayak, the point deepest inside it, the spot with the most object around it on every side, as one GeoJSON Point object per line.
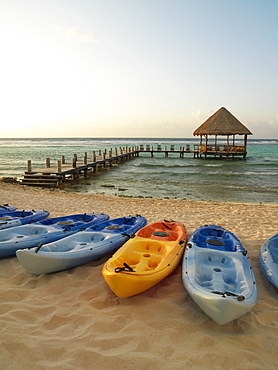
{"type": "Point", "coordinates": [143, 261]}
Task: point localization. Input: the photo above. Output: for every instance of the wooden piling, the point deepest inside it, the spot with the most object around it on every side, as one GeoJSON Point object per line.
{"type": "Point", "coordinates": [29, 166]}
{"type": "Point", "coordinates": [74, 162]}
{"type": "Point", "coordinates": [59, 166]}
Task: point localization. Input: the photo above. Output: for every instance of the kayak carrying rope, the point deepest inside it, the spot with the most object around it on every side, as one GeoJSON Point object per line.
{"type": "Point", "coordinates": [240, 298]}
{"type": "Point", "coordinates": [125, 268]}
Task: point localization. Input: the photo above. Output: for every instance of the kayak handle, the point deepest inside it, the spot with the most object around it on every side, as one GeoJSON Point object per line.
{"type": "Point", "coordinates": [125, 268]}
{"type": "Point", "coordinates": [38, 247]}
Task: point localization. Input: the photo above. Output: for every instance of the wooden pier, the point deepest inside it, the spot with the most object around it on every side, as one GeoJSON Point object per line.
{"type": "Point", "coordinates": [56, 175]}
{"type": "Point", "coordinates": [52, 176]}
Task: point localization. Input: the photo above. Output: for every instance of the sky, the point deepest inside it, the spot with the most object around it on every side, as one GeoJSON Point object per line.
{"type": "Point", "coordinates": [136, 68]}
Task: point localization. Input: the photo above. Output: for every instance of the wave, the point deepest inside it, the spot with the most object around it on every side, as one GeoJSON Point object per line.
{"type": "Point", "coordinates": [263, 142]}
{"type": "Point", "coordinates": [169, 166]}
{"type": "Point", "coordinates": [213, 165]}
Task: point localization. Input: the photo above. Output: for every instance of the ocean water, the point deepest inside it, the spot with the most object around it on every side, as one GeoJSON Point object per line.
{"type": "Point", "coordinates": [252, 180]}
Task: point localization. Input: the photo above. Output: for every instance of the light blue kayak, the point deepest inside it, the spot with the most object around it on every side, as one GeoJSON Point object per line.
{"type": "Point", "coordinates": [46, 231]}
{"type": "Point", "coordinates": [81, 247]}
{"type": "Point", "coordinates": [17, 218]}
{"type": "Point", "coordinates": [217, 274]}
{"type": "Point", "coordinates": [268, 257]}
{"type": "Point", "coordinates": [4, 208]}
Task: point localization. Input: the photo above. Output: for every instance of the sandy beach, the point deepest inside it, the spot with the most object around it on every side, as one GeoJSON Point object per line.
{"type": "Point", "coordinates": [72, 320]}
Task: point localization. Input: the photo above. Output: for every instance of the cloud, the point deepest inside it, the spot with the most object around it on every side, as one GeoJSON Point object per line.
{"type": "Point", "coordinates": [197, 115]}
{"type": "Point", "coordinates": [200, 116]}
{"type": "Point", "coordinates": [76, 33]}
{"type": "Point", "coordinates": [273, 122]}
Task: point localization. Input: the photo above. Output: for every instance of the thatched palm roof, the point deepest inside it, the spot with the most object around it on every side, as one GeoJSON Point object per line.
{"type": "Point", "coordinates": [222, 122]}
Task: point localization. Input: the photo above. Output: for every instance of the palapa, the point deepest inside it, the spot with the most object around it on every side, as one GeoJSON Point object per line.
{"type": "Point", "coordinates": [222, 122]}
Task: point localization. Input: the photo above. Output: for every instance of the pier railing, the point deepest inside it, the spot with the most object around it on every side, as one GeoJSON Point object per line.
{"type": "Point", "coordinates": [160, 148]}
{"type": "Point", "coordinates": [219, 151]}
{"type": "Point", "coordinates": [220, 148]}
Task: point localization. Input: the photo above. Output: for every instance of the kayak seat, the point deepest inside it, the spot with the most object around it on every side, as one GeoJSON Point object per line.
{"type": "Point", "coordinates": [97, 238]}
{"type": "Point", "coordinates": [217, 273]}
{"type": "Point", "coordinates": [80, 246]}
{"type": "Point", "coordinates": [65, 247]}
{"type": "Point", "coordinates": [76, 242]}
{"type": "Point", "coordinates": [151, 246]}
{"type": "Point", "coordinates": [139, 261]}
{"type": "Point", "coordinates": [273, 249]}
{"type": "Point", "coordinates": [29, 230]}
{"type": "Point", "coordinates": [48, 248]}
{"type": "Point", "coordinates": [145, 257]}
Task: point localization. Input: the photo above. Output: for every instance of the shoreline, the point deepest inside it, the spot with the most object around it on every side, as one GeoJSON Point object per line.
{"type": "Point", "coordinates": [9, 186]}
{"type": "Point", "coordinates": [192, 213]}
{"type": "Point", "coordinates": [71, 319]}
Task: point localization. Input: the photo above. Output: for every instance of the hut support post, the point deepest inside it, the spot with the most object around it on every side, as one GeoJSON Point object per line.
{"type": "Point", "coordinates": [245, 141]}
{"type": "Point", "coordinates": [228, 142]}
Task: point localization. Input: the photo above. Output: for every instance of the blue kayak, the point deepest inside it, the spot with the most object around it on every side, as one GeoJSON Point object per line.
{"type": "Point", "coordinates": [268, 257]}
{"type": "Point", "coordinates": [82, 247]}
{"type": "Point", "coordinates": [4, 208]}
{"type": "Point", "coordinates": [217, 274]}
{"type": "Point", "coordinates": [46, 231]}
{"type": "Point", "coordinates": [17, 218]}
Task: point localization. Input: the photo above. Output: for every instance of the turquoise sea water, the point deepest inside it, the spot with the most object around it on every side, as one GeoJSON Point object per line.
{"type": "Point", "coordinates": [252, 180]}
